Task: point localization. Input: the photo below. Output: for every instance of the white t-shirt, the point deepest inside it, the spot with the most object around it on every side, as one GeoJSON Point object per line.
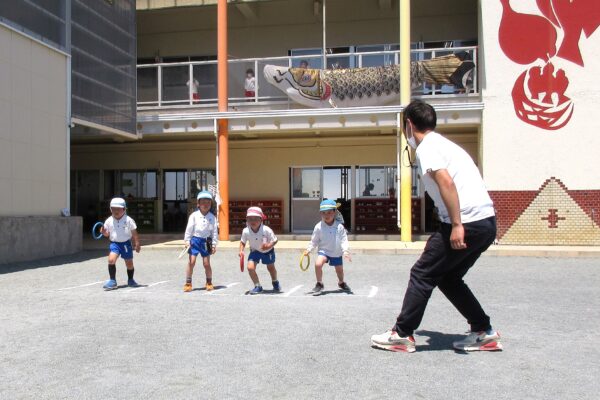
{"type": "Point", "coordinates": [120, 229]}
{"type": "Point", "coordinates": [194, 86]}
{"type": "Point", "coordinates": [202, 226]}
{"type": "Point", "coordinates": [436, 152]}
{"type": "Point", "coordinates": [256, 239]}
{"type": "Point", "coordinates": [330, 239]}
{"type": "Point", "coordinates": [250, 84]}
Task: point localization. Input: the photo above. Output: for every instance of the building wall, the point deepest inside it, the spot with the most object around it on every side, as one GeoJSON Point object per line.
{"type": "Point", "coordinates": [537, 168]}
{"type": "Point", "coordinates": [33, 131]}
{"type": "Point", "coordinates": [284, 25]}
{"type": "Point", "coordinates": [259, 168]}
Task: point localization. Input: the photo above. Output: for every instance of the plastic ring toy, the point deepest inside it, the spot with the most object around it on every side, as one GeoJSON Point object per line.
{"type": "Point", "coordinates": [304, 266]}
{"type": "Point", "coordinates": [96, 227]}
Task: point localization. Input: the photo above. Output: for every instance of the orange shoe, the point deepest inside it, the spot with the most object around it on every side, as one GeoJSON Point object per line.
{"type": "Point", "coordinates": [187, 287]}
{"type": "Point", "coordinates": [209, 287]}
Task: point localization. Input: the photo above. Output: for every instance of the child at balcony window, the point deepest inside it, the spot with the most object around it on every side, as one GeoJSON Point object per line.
{"type": "Point", "coordinates": [120, 229]}
{"type": "Point", "coordinates": [195, 87]}
{"type": "Point", "coordinates": [250, 84]}
{"type": "Point", "coordinates": [201, 238]}
{"type": "Point", "coordinates": [262, 241]}
{"type": "Point", "coordinates": [329, 236]}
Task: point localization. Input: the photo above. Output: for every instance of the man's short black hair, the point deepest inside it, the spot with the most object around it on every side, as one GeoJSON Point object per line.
{"type": "Point", "coordinates": [421, 114]}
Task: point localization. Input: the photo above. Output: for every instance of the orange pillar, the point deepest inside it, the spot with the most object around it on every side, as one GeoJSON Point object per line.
{"type": "Point", "coordinates": [223, 128]}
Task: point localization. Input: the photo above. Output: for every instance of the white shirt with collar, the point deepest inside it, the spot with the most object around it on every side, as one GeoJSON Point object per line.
{"type": "Point", "coordinates": [202, 226]}
{"type": "Point", "coordinates": [435, 152]}
{"type": "Point", "coordinates": [330, 239]}
{"type": "Point", "coordinates": [256, 239]}
{"type": "Point", "coordinates": [119, 230]}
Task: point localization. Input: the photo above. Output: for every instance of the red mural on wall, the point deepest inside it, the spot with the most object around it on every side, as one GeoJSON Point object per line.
{"type": "Point", "coordinates": [535, 40]}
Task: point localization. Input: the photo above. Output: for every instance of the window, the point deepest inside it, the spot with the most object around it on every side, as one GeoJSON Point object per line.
{"type": "Point", "coordinates": [138, 184]}
{"type": "Point", "coordinates": [306, 183]}
{"type": "Point", "coordinates": [201, 180]}
{"type": "Point", "coordinates": [381, 181]}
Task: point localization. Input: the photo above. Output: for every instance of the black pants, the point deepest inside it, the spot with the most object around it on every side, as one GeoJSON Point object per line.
{"type": "Point", "coordinates": [444, 267]}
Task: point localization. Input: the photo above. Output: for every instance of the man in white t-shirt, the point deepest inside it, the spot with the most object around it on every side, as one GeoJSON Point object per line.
{"type": "Point", "coordinates": [468, 228]}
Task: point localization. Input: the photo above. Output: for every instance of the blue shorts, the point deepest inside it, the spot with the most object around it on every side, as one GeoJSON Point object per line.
{"type": "Point", "coordinates": [198, 246]}
{"type": "Point", "coordinates": [122, 249]}
{"type": "Point", "coordinates": [266, 258]}
{"type": "Point", "coordinates": [333, 261]}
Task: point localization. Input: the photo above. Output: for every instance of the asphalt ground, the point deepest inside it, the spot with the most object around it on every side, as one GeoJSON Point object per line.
{"type": "Point", "coordinates": [63, 337]}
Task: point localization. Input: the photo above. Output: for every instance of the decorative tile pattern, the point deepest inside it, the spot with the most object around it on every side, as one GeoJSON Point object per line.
{"type": "Point", "coordinates": [551, 216]}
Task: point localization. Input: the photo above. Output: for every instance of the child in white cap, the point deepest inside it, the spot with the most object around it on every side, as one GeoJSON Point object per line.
{"type": "Point", "coordinates": [262, 241]}
{"type": "Point", "coordinates": [120, 229]}
{"type": "Point", "coordinates": [330, 237]}
{"type": "Point", "coordinates": [201, 237]}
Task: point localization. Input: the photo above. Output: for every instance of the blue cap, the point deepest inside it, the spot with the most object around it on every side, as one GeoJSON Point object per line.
{"type": "Point", "coordinates": [204, 195]}
{"type": "Point", "coordinates": [327, 205]}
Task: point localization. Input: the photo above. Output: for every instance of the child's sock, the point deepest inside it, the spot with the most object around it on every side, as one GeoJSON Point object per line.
{"type": "Point", "coordinates": [209, 280]}
{"type": "Point", "coordinates": [188, 279]}
{"type": "Point", "coordinates": [112, 271]}
{"type": "Point", "coordinates": [130, 273]}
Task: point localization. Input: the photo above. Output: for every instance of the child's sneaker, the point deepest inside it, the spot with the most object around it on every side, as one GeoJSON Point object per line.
{"type": "Point", "coordinates": [276, 286]}
{"type": "Point", "coordinates": [132, 283]}
{"type": "Point", "coordinates": [344, 286]}
{"type": "Point", "coordinates": [317, 289]}
{"type": "Point", "coordinates": [480, 341]}
{"type": "Point", "coordinates": [110, 284]}
{"type": "Point", "coordinates": [256, 290]}
{"type": "Point", "coordinates": [187, 287]}
{"type": "Point", "coordinates": [390, 340]}
{"type": "Point", "coordinates": [209, 287]}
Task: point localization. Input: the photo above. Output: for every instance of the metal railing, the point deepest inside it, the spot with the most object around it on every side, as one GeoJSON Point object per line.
{"type": "Point", "coordinates": [194, 84]}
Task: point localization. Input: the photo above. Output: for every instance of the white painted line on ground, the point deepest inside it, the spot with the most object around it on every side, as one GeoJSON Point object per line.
{"type": "Point", "coordinates": [80, 286]}
{"type": "Point", "coordinates": [373, 292]}
{"type": "Point", "coordinates": [148, 286]}
{"type": "Point", "coordinates": [292, 290]}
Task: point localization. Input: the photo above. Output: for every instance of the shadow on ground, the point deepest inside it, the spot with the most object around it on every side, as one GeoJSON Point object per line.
{"type": "Point", "coordinates": [53, 261]}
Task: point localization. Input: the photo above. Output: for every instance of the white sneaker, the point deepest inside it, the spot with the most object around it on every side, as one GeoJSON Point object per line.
{"type": "Point", "coordinates": [390, 340]}
{"type": "Point", "coordinates": [480, 341]}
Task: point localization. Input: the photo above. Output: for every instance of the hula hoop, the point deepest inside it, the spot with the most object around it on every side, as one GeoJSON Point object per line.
{"type": "Point", "coordinates": [185, 250]}
{"type": "Point", "coordinates": [241, 263]}
{"type": "Point", "coordinates": [99, 234]}
{"type": "Point", "coordinates": [303, 266]}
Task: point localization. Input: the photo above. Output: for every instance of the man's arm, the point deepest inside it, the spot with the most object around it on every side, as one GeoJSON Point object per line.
{"type": "Point", "coordinates": [450, 197]}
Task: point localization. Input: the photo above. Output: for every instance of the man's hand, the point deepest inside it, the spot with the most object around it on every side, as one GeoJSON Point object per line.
{"type": "Point", "coordinates": [137, 247]}
{"type": "Point", "coordinates": [457, 237]}
{"type": "Point", "coordinates": [347, 256]}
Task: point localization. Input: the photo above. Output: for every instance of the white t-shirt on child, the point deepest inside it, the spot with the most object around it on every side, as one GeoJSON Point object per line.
{"type": "Point", "coordinates": [120, 229]}
{"type": "Point", "coordinates": [256, 239]}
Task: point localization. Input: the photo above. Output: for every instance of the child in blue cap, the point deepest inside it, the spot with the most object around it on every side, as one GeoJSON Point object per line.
{"type": "Point", "coordinates": [201, 237]}
{"type": "Point", "coordinates": [329, 236]}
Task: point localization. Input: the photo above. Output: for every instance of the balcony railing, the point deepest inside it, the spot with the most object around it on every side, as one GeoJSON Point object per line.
{"type": "Point", "coordinates": [172, 85]}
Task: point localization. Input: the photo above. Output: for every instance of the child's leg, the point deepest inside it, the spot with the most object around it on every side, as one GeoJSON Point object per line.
{"type": "Point", "coordinates": [207, 269]}
{"type": "Point", "coordinates": [319, 267]}
{"type": "Point", "coordinates": [252, 272]}
{"type": "Point", "coordinates": [339, 270]}
{"type": "Point", "coordinates": [272, 271]}
{"type": "Point", "coordinates": [112, 267]}
{"type": "Point", "coordinates": [190, 268]}
{"type": "Point", "coordinates": [130, 269]}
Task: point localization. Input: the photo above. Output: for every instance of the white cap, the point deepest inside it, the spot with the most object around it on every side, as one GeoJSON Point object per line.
{"type": "Point", "coordinates": [117, 202]}
{"type": "Point", "coordinates": [255, 212]}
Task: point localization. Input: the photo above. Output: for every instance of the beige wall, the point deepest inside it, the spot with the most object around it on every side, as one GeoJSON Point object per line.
{"type": "Point", "coordinates": [33, 156]}
{"type": "Point", "coordinates": [284, 25]}
{"type": "Point", "coordinates": [259, 169]}
{"type": "Point", "coordinates": [517, 155]}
